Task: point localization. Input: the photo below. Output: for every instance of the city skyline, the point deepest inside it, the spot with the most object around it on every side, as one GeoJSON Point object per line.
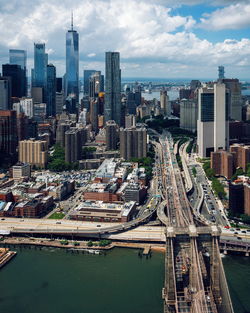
{"type": "Point", "coordinates": [154, 38]}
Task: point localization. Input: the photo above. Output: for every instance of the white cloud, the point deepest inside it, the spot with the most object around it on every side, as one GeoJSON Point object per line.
{"type": "Point", "coordinates": [235, 16]}
{"type": "Point", "coordinates": [146, 32]}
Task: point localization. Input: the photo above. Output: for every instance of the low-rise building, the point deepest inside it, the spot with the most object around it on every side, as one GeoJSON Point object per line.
{"type": "Point", "coordinates": [21, 170]}
{"type": "Point", "coordinates": [99, 211]}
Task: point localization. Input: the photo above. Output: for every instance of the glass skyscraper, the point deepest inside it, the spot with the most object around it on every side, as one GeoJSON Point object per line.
{"type": "Point", "coordinates": [19, 57]}
{"type": "Point", "coordinates": [86, 76]}
{"type": "Point", "coordinates": [51, 90]}
{"type": "Point", "coordinates": [39, 76]}
{"type": "Point", "coordinates": [112, 108]}
{"type": "Point", "coordinates": [72, 63]}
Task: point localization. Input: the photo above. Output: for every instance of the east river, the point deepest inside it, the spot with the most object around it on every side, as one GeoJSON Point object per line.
{"type": "Point", "coordinates": [56, 281]}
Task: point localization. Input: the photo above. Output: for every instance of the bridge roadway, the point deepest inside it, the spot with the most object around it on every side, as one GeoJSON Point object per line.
{"type": "Point", "coordinates": [194, 278]}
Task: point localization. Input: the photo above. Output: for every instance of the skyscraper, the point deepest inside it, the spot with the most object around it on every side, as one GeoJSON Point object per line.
{"type": "Point", "coordinates": [39, 73]}
{"type": "Point", "coordinates": [19, 57]}
{"type": "Point", "coordinates": [221, 72]}
{"type": "Point", "coordinates": [72, 63]}
{"type": "Point", "coordinates": [112, 109]}
{"type": "Point", "coordinates": [51, 90]}
{"type": "Point", "coordinates": [86, 76]}
{"type": "Point", "coordinates": [212, 124]}
{"type": "Point", "coordinates": [16, 73]}
{"type": "Point", "coordinates": [5, 93]}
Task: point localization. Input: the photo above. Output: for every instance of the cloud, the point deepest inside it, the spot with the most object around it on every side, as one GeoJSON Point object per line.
{"type": "Point", "coordinates": [149, 36]}
{"type": "Point", "coordinates": [235, 16]}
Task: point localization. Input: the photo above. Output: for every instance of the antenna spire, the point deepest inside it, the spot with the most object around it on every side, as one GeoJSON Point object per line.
{"type": "Point", "coordinates": [71, 20]}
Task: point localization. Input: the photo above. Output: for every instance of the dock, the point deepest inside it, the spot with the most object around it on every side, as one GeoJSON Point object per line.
{"type": "Point", "coordinates": [146, 250]}
{"type": "Point", "coordinates": [5, 256]}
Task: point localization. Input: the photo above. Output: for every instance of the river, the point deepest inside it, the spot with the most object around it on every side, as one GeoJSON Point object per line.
{"type": "Point", "coordinates": [56, 281]}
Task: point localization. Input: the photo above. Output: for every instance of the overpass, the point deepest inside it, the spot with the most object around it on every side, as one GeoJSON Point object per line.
{"type": "Point", "coordinates": [194, 275]}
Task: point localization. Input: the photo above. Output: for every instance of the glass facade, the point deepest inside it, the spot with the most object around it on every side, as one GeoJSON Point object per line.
{"type": "Point", "coordinates": [112, 109]}
{"type": "Point", "coordinates": [72, 64]}
{"type": "Point", "coordinates": [39, 78]}
{"type": "Point", "coordinates": [51, 90]}
{"type": "Point", "coordinates": [207, 107]}
{"type": "Point", "coordinates": [86, 76]}
{"type": "Point", "coordinates": [19, 57]}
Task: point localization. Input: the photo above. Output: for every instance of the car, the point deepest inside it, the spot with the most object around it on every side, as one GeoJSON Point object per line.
{"type": "Point", "coordinates": [236, 233]}
{"type": "Point", "coordinates": [228, 227]}
{"type": "Point", "coordinates": [243, 232]}
{"type": "Point", "coordinates": [239, 238]}
{"type": "Point", "coordinates": [2, 219]}
{"type": "Point", "coordinates": [98, 225]}
{"type": "Point", "coordinates": [58, 223]}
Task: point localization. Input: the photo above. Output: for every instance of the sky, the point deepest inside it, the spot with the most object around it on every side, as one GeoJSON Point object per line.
{"type": "Point", "coordinates": [155, 38]}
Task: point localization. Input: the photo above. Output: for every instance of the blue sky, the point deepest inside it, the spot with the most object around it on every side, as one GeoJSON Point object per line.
{"type": "Point", "coordinates": [156, 38]}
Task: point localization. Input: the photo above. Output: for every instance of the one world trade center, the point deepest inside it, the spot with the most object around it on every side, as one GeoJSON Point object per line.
{"type": "Point", "coordinates": [72, 63]}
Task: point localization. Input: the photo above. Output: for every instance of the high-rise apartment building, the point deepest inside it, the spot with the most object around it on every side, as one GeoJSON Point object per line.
{"type": "Point", "coordinates": [19, 57]}
{"type": "Point", "coordinates": [73, 144]}
{"type": "Point", "coordinates": [188, 114]}
{"type": "Point", "coordinates": [72, 63]}
{"type": "Point", "coordinates": [112, 109]}
{"type": "Point", "coordinates": [222, 162]}
{"type": "Point", "coordinates": [164, 102]}
{"type": "Point", "coordinates": [93, 114]}
{"type": "Point", "coordinates": [25, 106]}
{"type": "Point", "coordinates": [212, 124]}
{"type": "Point", "coordinates": [130, 120]}
{"type": "Point", "coordinates": [34, 152]}
{"type": "Point", "coordinates": [133, 142]}
{"type": "Point", "coordinates": [5, 93]}
{"type": "Point", "coordinates": [51, 90]}
{"type": "Point", "coordinates": [18, 79]}
{"type": "Point", "coordinates": [241, 155]}
{"type": "Point", "coordinates": [111, 135]}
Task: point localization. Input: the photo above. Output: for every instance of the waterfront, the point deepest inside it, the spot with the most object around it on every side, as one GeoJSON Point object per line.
{"type": "Point", "coordinates": [53, 280]}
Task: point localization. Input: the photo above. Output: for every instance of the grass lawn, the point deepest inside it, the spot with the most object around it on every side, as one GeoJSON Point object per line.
{"type": "Point", "coordinates": [57, 215]}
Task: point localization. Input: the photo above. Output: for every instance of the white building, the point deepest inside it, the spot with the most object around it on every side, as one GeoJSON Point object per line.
{"type": "Point", "coordinates": [27, 106]}
{"type": "Point", "coordinates": [212, 124]}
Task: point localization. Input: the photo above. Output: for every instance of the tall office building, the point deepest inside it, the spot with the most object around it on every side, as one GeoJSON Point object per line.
{"type": "Point", "coordinates": [133, 143]}
{"type": "Point", "coordinates": [221, 72]}
{"type": "Point", "coordinates": [5, 93]}
{"type": "Point", "coordinates": [212, 124]}
{"type": "Point", "coordinates": [96, 84]}
{"type": "Point", "coordinates": [19, 57]}
{"type": "Point", "coordinates": [34, 152]}
{"type": "Point", "coordinates": [8, 133]}
{"type": "Point", "coordinates": [111, 135]}
{"type": "Point", "coordinates": [72, 63]}
{"type": "Point", "coordinates": [188, 115]}
{"type": "Point", "coordinates": [86, 76]}
{"type": "Point", "coordinates": [39, 73]}
{"type": "Point", "coordinates": [16, 73]}
{"type": "Point", "coordinates": [235, 99]}
{"type": "Point", "coordinates": [112, 109]}
{"type": "Point", "coordinates": [51, 90]}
